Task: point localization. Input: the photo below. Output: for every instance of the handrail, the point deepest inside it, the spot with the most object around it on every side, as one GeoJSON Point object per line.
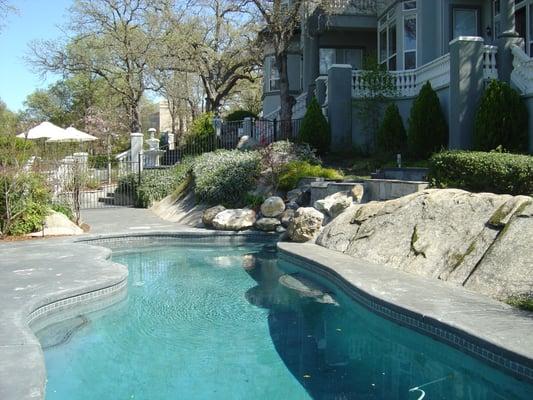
{"type": "Point", "coordinates": [522, 75]}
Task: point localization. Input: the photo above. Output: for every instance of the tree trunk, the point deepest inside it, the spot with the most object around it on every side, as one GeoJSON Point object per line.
{"type": "Point", "coordinates": [135, 118]}
{"type": "Point", "coordinates": [287, 101]}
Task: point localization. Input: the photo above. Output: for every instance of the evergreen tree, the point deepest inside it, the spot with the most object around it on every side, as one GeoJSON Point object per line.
{"type": "Point", "coordinates": [315, 128]}
{"type": "Point", "coordinates": [391, 136]}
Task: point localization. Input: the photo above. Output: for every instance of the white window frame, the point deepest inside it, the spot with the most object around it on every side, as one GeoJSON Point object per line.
{"type": "Point", "coordinates": [386, 23]}
{"type": "Point", "coordinates": [272, 86]}
{"type": "Point", "coordinates": [409, 14]}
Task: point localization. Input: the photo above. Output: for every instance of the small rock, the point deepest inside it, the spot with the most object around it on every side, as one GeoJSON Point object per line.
{"type": "Point", "coordinates": [357, 193]}
{"type": "Point", "coordinates": [287, 217]}
{"type": "Point", "coordinates": [273, 207]}
{"type": "Point", "coordinates": [234, 220]}
{"type": "Point", "coordinates": [293, 206]}
{"type": "Point", "coordinates": [335, 204]}
{"type": "Point", "coordinates": [210, 214]}
{"type": "Point", "coordinates": [281, 229]}
{"type": "Point", "coordinates": [267, 224]}
{"type": "Point", "coordinates": [305, 225]}
{"type": "Point", "coordinates": [294, 195]}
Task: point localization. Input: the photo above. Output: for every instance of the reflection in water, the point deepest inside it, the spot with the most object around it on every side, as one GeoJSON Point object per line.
{"type": "Point", "coordinates": [343, 351]}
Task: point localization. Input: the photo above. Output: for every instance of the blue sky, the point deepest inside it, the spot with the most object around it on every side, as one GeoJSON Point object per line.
{"type": "Point", "coordinates": [37, 19]}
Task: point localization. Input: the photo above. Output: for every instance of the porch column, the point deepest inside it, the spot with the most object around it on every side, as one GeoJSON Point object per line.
{"type": "Point", "coordinates": [310, 60]}
{"type": "Point", "coordinates": [507, 38]}
{"type": "Point", "coordinates": [340, 106]}
{"type": "Point", "coordinates": [466, 88]}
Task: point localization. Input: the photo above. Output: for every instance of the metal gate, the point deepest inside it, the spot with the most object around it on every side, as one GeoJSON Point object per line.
{"type": "Point", "coordinates": [83, 184]}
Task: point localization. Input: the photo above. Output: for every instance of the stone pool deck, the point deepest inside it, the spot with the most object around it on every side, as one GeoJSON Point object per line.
{"type": "Point", "coordinates": [42, 276]}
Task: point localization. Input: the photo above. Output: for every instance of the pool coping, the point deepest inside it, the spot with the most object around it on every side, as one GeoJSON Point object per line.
{"type": "Point", "coordinates": [491, 331]}
{"type": "Point", "coordinates": [385, 291]}
{"type": "Point", "coordinates": [37, 282]}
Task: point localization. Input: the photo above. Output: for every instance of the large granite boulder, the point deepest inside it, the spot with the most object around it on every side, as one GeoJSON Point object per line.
{"type": "Point", "coordinates": [479, 241]}
{"type": "Point", "coordinates": [273, 207]}
{"type": "Point", "coordinates": [335, 204]}
{"type": "Point", "coordinates": [267, 224]}
{"type": "Point", "coordinates": [305, 225]}
{"type": "Point", "coordinates": [209, 215]}
{"type": "Point", "coordinates": [234, 220]}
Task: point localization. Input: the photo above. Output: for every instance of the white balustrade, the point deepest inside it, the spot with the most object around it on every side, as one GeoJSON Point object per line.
{"type": "Point", "coordinates": [353, 7]}
{"type": "Point", "coordinates": [522, 75]}
{"type": "Point", "coordinates": [490, 66]}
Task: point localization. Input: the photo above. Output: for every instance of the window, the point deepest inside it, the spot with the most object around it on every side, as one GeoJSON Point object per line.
{"type": "Point", "coordinates": [273, 82]}
{"type": "Point", "coordinates": [465, 22]}
{"type": "Point", "coordinates": [327, 59]}
{"type": "Point", "coordinates": [330, 56]}
{"type": "Point", "coordinates": [409, 42]}
{"type": "Point", "coordinates": [387, 42]}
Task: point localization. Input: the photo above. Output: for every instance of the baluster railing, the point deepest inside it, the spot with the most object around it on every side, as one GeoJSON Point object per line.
{"type": "Point", "coordinates": [490, 68]}
{"type": "Point", "coordinates": [522, 75]}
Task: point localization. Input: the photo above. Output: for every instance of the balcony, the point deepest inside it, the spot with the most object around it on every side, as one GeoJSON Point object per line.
{"type": "Point", "coordinates": [353, 7]}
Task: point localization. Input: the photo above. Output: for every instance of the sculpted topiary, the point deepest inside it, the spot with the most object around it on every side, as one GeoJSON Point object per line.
{"type": "Point", "coordinates": [501, 120]}
{"type": "Point", "coordinates": [428, 129]}
{"type": "Point", "coordinates": [315, 128]}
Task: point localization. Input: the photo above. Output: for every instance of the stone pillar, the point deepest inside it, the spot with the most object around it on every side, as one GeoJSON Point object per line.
{"type": "Point", "coordinates": [247, 127]}
{"type": "Point", "coordinates": [507, 38]}
{"type": "Point", "coordinates": [320, 91]}
{"type": "Point", "coordinates": [466, 88]}
{"type": "Point", "coordinates": [340, 106]}
{"type": "Point", "coordinates": [171, 141]}
{"type": "Point", "coordinates": [136, 148]}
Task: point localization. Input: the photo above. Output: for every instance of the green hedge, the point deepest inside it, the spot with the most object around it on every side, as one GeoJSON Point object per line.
{"type": "Point", "coordinates": [483, 172]}
{"type": "Point", "coordinates": [224, 177]}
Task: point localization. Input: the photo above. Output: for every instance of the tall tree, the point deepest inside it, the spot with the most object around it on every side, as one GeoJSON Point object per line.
{"type": "Point", "coordinates": [6, 8]}
{"type": "Point", "coordinates": [218, 43]}
{"type": "Point", "coordinates": [112, 39]}
{"type": "Point", "coordinates": [9, 121]}
{"type": "Point", "coordinates": [281, 21]}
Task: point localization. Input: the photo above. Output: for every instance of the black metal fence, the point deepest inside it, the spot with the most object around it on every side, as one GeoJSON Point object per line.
{"type": "Point", "coordinates": [262, 131]}
{"type": "Point", "coordinates": [78, 185]}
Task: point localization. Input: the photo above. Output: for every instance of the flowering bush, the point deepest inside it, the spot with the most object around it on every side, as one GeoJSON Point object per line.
{"type": "Point", "coordinates": [224, 177]}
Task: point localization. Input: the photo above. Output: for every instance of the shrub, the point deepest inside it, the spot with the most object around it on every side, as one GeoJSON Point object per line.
{"type": "Point", "coordinates": [24, 203]}
{"type": "Point", "coordinates": [156, 184]}
{"type": "Point", "coordinates": [240, 115]}
{"type": "Point", "coordinates": [224, 177]}
{"type": "Point", "coordinates": [428, 130]}
{"type": "Point", "coordinates": [501, 120]}
{"type": "Point", "coordinates": [483, 172]}
{"type": "Point", "coordinates": [391, 137]}
{"type": "Point", "coordinates": [315, 128]}
{"type": "Point", "coordinates": [14, 151]}
{"type": "Point", "coordinates": [293, 172]}
{"type": "Point", "coordinates": [203, 126]}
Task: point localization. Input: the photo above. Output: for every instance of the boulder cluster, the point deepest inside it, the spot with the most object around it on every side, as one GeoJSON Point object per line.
{"type": "Point", "coordinates": [293, 217]}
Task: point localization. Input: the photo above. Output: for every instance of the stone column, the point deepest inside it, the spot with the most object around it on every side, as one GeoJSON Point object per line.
{"type": "Point", "coordinates": [247, 127]}
{"type": "Point", "coordinates": [340, 106]}
{"type": "Point", "coordinates": [136, 148]}
{"type": "Point", "coordinates": [507, 38]}
{"type": "Point", "coordinates": [320, 91]}
{"type": "Point", "coordinates": [310, 60]}
{"type": "Point", "coordinates": [466, 88]}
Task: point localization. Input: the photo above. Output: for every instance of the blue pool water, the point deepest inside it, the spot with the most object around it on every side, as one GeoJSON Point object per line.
{"type": "Point", "coordinates": [215, 323]}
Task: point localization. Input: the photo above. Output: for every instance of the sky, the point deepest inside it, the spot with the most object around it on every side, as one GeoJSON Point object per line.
{"type": "Point", "coordinates": [37, 19]}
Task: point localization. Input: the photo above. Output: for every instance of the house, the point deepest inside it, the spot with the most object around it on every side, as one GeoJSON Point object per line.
{"type": "Point", "coordinates": [457, 45]}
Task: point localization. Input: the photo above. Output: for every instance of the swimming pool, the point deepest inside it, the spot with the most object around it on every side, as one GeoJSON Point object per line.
{"type": "Point", "coordinates": [221, 322]}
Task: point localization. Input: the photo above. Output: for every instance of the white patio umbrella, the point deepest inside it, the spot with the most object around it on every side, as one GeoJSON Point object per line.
{"type": "Point", "coordinates": [45, 130]}
{"type": "Point", "coordinates": [72, 134]}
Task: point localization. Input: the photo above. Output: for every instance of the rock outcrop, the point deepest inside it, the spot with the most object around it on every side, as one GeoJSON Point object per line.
{"type": "Point", "coordinates": [305, 225]}
{"type": "Point", "coordinates": [480, 241]}
{"type": "Point", "coordinates": [234, 220]}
